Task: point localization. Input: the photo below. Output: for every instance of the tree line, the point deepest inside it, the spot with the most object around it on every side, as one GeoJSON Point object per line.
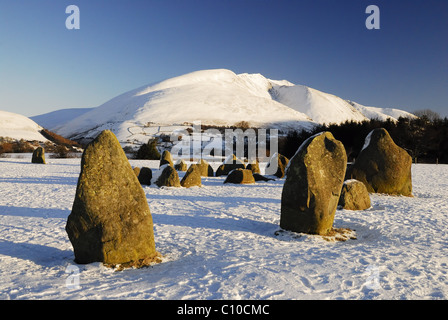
{"type": "Point", "coordinates": [424, 138]}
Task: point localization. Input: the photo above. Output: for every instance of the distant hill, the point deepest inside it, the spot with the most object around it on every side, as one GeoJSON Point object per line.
{"type": "Point", "coordinates": [59, 117]}
{"type": "Point", "coordinates": [17, 126]}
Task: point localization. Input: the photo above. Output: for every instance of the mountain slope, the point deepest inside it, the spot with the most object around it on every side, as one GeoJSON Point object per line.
{"type": "Point", "coordinates": [17, 126]}
{"type": "Point", "coordinates": [59, 117]}
{"type": "Point", "coordinates": [216, 98]}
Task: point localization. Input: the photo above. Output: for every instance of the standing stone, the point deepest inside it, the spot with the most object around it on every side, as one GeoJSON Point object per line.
{"type": "Point", "coordinates": [166, 158]}
{"type": "Point", "coordinates": [313, 184]}
{"type": "Point", "coordinates": [38, 155]}
{"type": "Point", "coordinates": [254, 167]}
{"type": "Point", "coordinates": [145, 176]}
{"type": "Point", "coordinates": [228, 165]}
{"type": "Point", "coordinates": [192, 177]}
{"type": "Point", "coordinates": [354, 196]}
{"type": "Point", "coordinates": [383, 166]}
{"type": "Point", "coordinates": [205, 168]}
{"type": "Point", "coordinates": [168, 177]}
{"type": "Point", "coordinates": [279, 169]}
{"type": "Point", "coordinates": [110, 221]}
{"type": "Point", "coordinates": [180, 165]}
{"type": "Point", "coordinates": [240, 176]}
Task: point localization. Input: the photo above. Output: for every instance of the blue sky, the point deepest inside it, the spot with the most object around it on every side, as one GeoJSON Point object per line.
{"type": "Point", "coordinates": [122, 45]}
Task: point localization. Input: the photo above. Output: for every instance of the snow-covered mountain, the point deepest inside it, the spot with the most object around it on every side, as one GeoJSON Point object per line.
{"type": "Point", "coordinates": [17, 126]}
{"type": "Point", "coordinates": [216, 97]}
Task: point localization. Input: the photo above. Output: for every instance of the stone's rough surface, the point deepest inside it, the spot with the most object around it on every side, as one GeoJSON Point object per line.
{"type": "Point", "coordinates": [354, 196]}
{"type": "Point", "coordinates": [277, 165]}
{"type": "Point", "coordinates": [38, 155]}
{"type": "Point", "coordinates": [383, 166]}
{"type": "Point", "coordinates": [168, 177]}
{"type": "Point", "coordinates": [229, 165]}
{"type": "Point", "coordinates": [240, 176]}
{"type": "Point", "coordinates": [313, 184]}
{"type": "Point", "coordinates": [181, 165]}
{"type": "Point", "coordinates": [205, 168]}
{"type": "Point", "coordinates": [192, 177]}
{"type": "Point", "coordinates": [166, 158]}
{"type": "Point", "coordinates": [110, 221]}
{"type": "Point", "coordinates": [145, 176]}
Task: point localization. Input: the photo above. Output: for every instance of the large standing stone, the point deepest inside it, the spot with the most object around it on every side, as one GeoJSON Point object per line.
{"type": "Point", "coordinates": [168, 177]}
{"type": "Point", "coordinates": [254, 167]}
{"type": "Point", "coordinates": [38, 155]}
{"type": "Point", "coordinates": [240, 176]}
{"type": "Point", "coordinates": [354, 196]}
{"type": "Point", "coordinates": [110, 221]}
{"type": "Point", "coordinates": [313, 183]}
{"type": "Point", "coordinates": [166, 158]}
{"type": "Point", "coordinates": [192, 177]}
{"type": "Point", "coordinates": [383, 166]}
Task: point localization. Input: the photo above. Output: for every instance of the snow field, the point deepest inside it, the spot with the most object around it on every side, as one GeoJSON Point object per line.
{"type": "Point", "coordinates": [223, 242]}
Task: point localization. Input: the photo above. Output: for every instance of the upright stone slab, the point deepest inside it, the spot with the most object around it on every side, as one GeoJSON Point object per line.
{"type": "Point", "coordinates": [205, 168]}
{"type": "Point", "coordinates": [313, 184]}
{"type": "Point", "coordinates": [167, 177]}
{"type": "Point", "coordinates": [383, 166]}
{"type": "Point", "coordinates": [228, 165]}
{"type": "Point", "coordinates": [192, 177]}
{"type": "Point", "coordinates": [38, 155]}
{"type": "Point", "coordinates": [166, 158]}
{"type": "Point", "coordinates": [145, 176]}
{"type": "Point", "coordinates": [110, 221]}
{"type": "Point", "coordinates": [181, 165]}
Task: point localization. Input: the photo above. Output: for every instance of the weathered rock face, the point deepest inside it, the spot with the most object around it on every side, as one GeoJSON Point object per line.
{"type": "Point", "coordinates": [38, 155]}
{"type": "Point", "coordinates": [145, 176]}
{"type": "Point", "coordinates": [192, 177]}
{"type": "Point", "coordinates": [354, 196]}
{"type": "Point", "coordinates": [181, 165]}
{"type": "Point", "coordinates": [110, 221]}
{"type": "Point", "coordinates": [168, 177]}
{"type": "Point", "coordinates": [205, 168]}
{"type": "Point", "coordinates": [240, 176]}
{"type": "Point", "coordinates": [166, 158]}
{"type": "Point", "coordinates": [279, 170]}
{"type": "Point", "coordinates": [383, 166]}
{"type": "Point", "coordinates": [313, 184]}
{"type": "Point", "coordinates": [229, 165]}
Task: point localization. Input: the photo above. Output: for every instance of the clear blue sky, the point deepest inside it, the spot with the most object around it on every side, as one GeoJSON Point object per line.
{"type": "Point", "coordinates": [122, 45]}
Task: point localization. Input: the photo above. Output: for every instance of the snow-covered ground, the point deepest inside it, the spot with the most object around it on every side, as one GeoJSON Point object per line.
{"type": "Point", "coordinates": [221, 242]}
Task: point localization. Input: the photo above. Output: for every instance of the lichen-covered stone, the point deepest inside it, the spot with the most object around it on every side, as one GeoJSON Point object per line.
{"type": "Point", "coordinates": [383, 166]}
{"type": "Point", "coordinates": [168, 177]}
{"type": "Point", "coordinates": [38, 155]}
{"type": "Point", "coordinates": [192, 177]}
{"type": "Point", "coordinates": [240, 176]}
{"type": "Point", "coordinates": [313, 184]}
{"type": "Point", "coordinates": [181, 165]}
{"type": "Point", "coordinates": [228, 165]}
{"type": "Point", "coordinates": [354, 196]}
{"type": "Point", "coordinates": [166, 158]}
{"type": "Point", "coordinates": [205, 168]}
{"type": "Point", "coordinates": [110, 221]}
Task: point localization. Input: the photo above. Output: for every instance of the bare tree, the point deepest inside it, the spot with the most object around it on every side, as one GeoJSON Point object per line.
{"type": "Point", "coordinates": [428, 114]}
